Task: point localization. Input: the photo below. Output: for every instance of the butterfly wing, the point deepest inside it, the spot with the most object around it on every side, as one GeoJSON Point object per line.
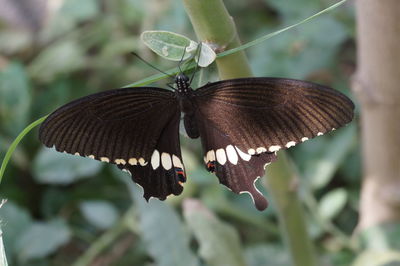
{"type": "Point", "coordinates": [252, 118]}
{"type": "Point", "coordinates": [126, 127]}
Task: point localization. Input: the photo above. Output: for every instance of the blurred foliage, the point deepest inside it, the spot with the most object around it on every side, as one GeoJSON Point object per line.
{"type": "Point", "coordinates": [63, 209]}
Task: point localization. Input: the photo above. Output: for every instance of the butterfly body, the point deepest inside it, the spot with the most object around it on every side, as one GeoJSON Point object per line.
{"type": "Point", "coordinates": [242, 123]}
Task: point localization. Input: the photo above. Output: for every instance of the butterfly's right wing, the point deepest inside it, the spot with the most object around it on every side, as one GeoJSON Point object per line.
{"type": "Point", "coordinates": [243, 122]}
{"type": "Point", "coordinates": [135, 128]}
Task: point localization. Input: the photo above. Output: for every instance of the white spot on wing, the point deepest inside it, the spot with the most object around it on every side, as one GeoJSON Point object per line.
{"type": "Point", "coordinates": [104, 159]}
{"type": "Point", "coordinates": [261, 150]}
{"type": "Point", "coordinates": [166, 161]}
{"type": "Point", "coordinates": [155, 159]}
{"type": "Point", "coordinates": [290, 144]}
{"type": "Point", "coordinates": [320, 134]}
{"type": "Point", "coordinates": [251, 151]}
{"type": "Point", "coordinates": [232, 155]}
{"type": "Point", "coordinates": [176, 161]}
{"type": "Point", "coordinates": [142, 162]}
{"type": "Point", "coordinates": [244, 156]}
{"type": "Point", "coordinates": [210, 156]}
{"type": "Point", "coordinates": [221, 157]}
{"type": "Point", "coordinates": [77, 154]}
{"type": "Point", "coordinates": [304, 139]}
{"type": "Point", "coordinates": [274, 148]}
{"type": "Point", "coordinates": [120, 161]}
{"type": "Point", "coordinates": [91, 156]}
{"type": "Point", "coordinates": [132, 161]}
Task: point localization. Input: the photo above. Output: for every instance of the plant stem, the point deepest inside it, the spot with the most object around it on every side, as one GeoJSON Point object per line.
{"type": "Point", "coordinates": [104, 241]}
{"type": "Point", "coordinates": [213, 24]}
{"type": "Point", "coordinates": [283, 184]}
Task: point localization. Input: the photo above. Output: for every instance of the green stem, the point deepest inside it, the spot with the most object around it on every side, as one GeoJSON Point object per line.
{"type": "Point", "coordinates": [212, 23]}
{"type": "Point", "coordinates": [282, 184]}
{"type": "Point", "coordinates": [214, 26]}
{"type": "Point", "coordinates": [13, 145]}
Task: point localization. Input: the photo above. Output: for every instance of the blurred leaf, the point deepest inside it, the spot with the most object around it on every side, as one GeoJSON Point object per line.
{"type": "Point", "coordinates": [322, 170]}
{"type": "Point", "coordinates": [266, 255]}
{"type": "Point", "coordinates": [42, 239]}
{"type": "Point", "coordinates": [332, 203]}
{"type": "Point", "coordinates": [52, 167]}
{"type": "Point", "coordinates": [166, 44]}
{"type": "Point", "coordinates": [300, 53]}
{"type": "Point", "coordinates": [378, 258]}
{"type": "Point", "coordinates": [163, 232]}
{"type": "Point", "coordinates": [14, 41]}
{"type": "Point", "coordinates": [381, 237]}
{"type": "Point", "coordinates": [113, 49]}
{"type": "Point", "coordinates": [80, 10]}
{"type": "Point", "coordinates": [14, 222]}
{"type": "Point", "coordinates": [60, 58]}
{"type": "Point", "coordinates": [53, 200]}
{"type": "Point", "coordinates": [14, 98]}
{"type": "Point", "coordinates": [3, 258]}
{"type": "Point", "coordinates": [219, 242]}
{"type": "Point", "coordinates": [101, 214]}
{"type": "Point", "coordinates": [295, 10]}
{"type": "Point", "coordinates": [66, 17]}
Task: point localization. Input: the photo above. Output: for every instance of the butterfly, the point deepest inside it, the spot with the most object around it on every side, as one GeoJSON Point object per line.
{"type": "Point", "coordinates": [242, 123]}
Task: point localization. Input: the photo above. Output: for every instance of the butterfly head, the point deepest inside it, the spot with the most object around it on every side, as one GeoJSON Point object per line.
{"type": "Point", "coordinates": [182, 83]}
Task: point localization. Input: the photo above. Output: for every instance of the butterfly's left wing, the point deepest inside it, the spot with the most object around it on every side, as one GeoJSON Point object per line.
{"type": "Point", "coordinates": [243, 122]}
{"type": "Point", "coordinates": [135, 128]}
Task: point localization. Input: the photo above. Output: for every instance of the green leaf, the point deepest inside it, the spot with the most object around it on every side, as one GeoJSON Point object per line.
{"type": "Point", "coordinates": [172, 46]}
{"type": "Point", "coordinates": [60, 58]}
{"type": "Point", "coordinates": [3, 258]}
{"type": "Point", "coordinates": [14, 222]}
{"type": "Point", "coordinates": [13, 41]}
{"type": "Point", "coordinates": [219, 242]}
{"type": "Point", "coordinates": [52, 167]}
{"type": "Point", "coordinates": [332, 203]}
{"type": "Point", "coordinates": [65, 19]}
{"type": "Point", "coordinates": [322, 169]}
{"type": "Point", "coordinates": [42, 239]}
{"type": "Point", "coordinates": [266, 255]}
{"type": "Point", "coordinates": [294, 10]}
{"type": "Point", "coordinates": [166, 44]}
{"type": "Point", "coordinates": [378, 258]}
{"type": "Point", "coordinates": [80, 10]}
{"type": "Point", "coordinates": [163, 233]}
{"type": "Point", "coordinates": [381, 237]}
{"type": "Point", "coordinates": [101, 214]}
{"type": "Point", "coordinates": [15, 98]}
{"type": "Point", "coordinates": [300, 53]}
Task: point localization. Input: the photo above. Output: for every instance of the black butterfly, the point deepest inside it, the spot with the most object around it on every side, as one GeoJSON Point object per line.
{"type": "Point", "coordinates": [242, 123]}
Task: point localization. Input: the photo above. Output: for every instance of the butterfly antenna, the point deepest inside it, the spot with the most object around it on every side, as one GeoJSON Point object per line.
{"type": "Point", "coordinates": [156, 68]}
{"type": "Point", "coordinates": [180, 61]}
{"type": "Point", "coordinates": [197, 64]}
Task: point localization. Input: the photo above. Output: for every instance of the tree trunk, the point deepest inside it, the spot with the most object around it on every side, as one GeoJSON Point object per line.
{"type": "Point", "coordinates": [377, 86]}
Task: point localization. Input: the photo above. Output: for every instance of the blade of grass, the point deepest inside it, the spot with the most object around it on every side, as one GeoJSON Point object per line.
{"type": "Point", "coordinates": [15, 143]}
